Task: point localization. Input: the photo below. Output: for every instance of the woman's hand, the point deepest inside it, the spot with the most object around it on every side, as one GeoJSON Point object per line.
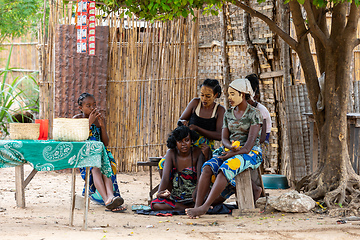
{"type": "Point", "coordinates": [101, 120]}
{"type": "Point", "coordinates": [93, 116]}
{"type": "Point", "coordinates": [227, 155]}
{"type": "Point", "coordinates": [163, 194]}
{"type": "Point", "coordinates": [193, 127]}
{"type": "Point", "coordinates": [184, 122]}
{"type": "Point", "coordinates": [205, 149]}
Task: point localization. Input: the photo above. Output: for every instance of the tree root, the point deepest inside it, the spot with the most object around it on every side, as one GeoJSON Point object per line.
{"type": "Point", "coordinates": [341, 195]}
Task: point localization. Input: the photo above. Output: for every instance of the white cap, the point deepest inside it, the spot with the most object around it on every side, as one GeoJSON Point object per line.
{"type": "Point", "coordinates": [242, 85]}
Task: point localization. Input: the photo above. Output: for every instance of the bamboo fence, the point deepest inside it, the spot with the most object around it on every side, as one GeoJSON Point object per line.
{"type": "Point", "coordinates": [152, 78]}
{"type": "Point", "coordinates": [153, 75]}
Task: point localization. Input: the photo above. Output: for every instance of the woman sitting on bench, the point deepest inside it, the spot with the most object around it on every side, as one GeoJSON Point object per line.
{"type": "Point", "coordinates": [181, 171]}
{"type": "Point", "coordinates": [242, 123]}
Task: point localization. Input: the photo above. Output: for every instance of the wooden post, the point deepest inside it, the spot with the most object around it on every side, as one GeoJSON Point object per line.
{"type": "Point", "coordinates": [314, 148]}
{"type": "Point", "coordinates": [19, 185]}
{"type": "Point", "coordinates": [72, 203]}
{"type": "Point", "coordinates": [87, 177]}
{"type": "Point", "coordinates": [244, 194]}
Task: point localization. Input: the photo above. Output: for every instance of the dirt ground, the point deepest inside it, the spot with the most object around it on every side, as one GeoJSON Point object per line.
{"type": "Point", "coordinates": [46, 216]}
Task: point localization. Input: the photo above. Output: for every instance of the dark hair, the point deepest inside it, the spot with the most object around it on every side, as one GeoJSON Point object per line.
{"type": "Point", "coordinates": [180, 133]}
{"type": "Point", "coordinates": [254, 81]}
{"type": "Point", "coordinates": [83, 96]}
{"type": "Point", "coordinates": [213, 84]}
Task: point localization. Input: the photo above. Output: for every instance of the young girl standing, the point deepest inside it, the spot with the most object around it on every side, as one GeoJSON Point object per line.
{"type": "Point", "coordinates": [181, 170]}
{"type": "Point", "coordinates": [99, 183]}
{"type": "Point", "coordinates": [242, 123]}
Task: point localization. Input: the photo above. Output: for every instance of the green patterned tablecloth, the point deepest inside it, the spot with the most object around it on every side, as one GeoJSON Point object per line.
{"type": "Point", "coordinates": [52, 155]}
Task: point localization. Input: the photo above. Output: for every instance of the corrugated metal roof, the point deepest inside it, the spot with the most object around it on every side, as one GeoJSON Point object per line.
{"type": "Point", "coordinates": [76, 73]}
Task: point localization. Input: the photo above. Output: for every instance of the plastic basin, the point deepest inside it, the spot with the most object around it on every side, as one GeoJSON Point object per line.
{"type": "Point", "coordinates": [275, 181]}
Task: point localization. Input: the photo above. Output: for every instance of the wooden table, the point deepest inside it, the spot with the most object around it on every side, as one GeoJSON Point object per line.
{"type": "Point", "coordinates": [353, 121]}
{"type": "Point", "coordinates": [51, 155]}
{"type": "Point", "coordinates": [153, 162]}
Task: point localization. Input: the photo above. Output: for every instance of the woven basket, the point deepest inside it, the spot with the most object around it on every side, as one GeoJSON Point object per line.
{"type": "Point", "coordinates": [70, 129]}
{"type": "Point", "coordinates": [24, 131]}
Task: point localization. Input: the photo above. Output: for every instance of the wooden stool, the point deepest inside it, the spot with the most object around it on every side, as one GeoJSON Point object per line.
{"type": "Point", "coordinates": [244, 192]}
{"type": "Point", "coordinates": [154, 161]}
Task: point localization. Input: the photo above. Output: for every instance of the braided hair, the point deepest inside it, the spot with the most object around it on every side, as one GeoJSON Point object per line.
{"type": "Point", "coordinates": [180, 133]}
{"type": "Point", "coordinates": [254, 82]}
{"type": "Point", "coordinates": [213, 84]}
{"type": "Point", "coordinates": [83, 96]}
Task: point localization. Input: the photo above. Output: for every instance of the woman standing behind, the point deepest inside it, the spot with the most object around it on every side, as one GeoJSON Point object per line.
{"type": "Point", "coordinates": [205, 116]}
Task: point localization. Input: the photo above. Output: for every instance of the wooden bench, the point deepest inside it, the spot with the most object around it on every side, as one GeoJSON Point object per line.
{"type": "Point", "coordinates": [153, 162]}
{"type": "Point", "coordinates": [244, 192]}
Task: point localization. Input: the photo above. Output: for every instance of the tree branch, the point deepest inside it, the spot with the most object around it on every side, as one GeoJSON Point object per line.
{"type": "Point", "coordinates": [338, 22]}
{"type": "Point", "coordinates": [351, 25]}
{"type": "Point", "coordinates": [300, 28]}
{"type": "Point", "coordinates": [272, 25]}
{"type": "Point", "coordinates": [356, 42]}
{"type": "Point", "coordinates": [306, 59]}
{"type": "Point", "coordinates": [314, 27]}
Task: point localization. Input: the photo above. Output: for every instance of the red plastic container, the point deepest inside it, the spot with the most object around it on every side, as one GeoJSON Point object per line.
{"type": "Point", "coordinates": [44, 128]}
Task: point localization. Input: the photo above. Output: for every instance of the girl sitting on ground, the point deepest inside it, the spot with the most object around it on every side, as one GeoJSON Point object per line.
{"type": "Point", "coordinates": [99, 183]}
{"type": "Point", "coordinates": [242, 123]}
{"type": "Point", "coordinates": [181, 170]}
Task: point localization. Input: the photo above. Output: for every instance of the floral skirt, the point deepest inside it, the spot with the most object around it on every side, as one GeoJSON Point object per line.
{"type": "Point", "coordinates": [233, 166]}
{"type": "Point", "coordinates": [93, 193]}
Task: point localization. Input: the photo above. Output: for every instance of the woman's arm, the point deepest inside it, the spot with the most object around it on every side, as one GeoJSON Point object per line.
{"type": "Point", "coordinates": [165, 179]}
{"type": "Point", "coordinates": [225, 138]}
{"type": "Point", "coordinates": [199, 164]}
{"type": "Point", "coordinates": [216, 135]}
{"type": "Point", "coordinates": [253, 133]}
{"type": "Point", "coordinates": [263, 132]}
{"type": "Point", "coordinates": [104, 135]}
{"type": "Point", "coordinates": [185, 116]}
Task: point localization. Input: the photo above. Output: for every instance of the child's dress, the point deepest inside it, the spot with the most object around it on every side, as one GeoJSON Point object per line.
{"type": "Point", "coordinates": [184, 184]}
{"type": "Point", "coordinates": [94, 135]}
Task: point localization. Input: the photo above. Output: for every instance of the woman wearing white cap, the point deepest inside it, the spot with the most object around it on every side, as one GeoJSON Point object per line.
{"type": "Point", "coordinates": [241, 123]}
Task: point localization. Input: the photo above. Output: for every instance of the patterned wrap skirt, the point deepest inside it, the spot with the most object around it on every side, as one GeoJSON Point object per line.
{"type": "Point", "coordinates": [233, 166]}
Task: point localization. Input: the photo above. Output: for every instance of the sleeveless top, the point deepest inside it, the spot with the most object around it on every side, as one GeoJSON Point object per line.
{"type": "Point", "coordinates": [205, 123]}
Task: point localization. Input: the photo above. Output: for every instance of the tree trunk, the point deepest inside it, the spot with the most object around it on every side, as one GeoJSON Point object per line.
{"type": "Point", "coordinates": [335, 180]}
{"type": "Point", "coordinates": [224, 53]}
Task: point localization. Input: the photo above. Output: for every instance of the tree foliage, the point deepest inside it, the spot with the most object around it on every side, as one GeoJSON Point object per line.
{"type": "Point", "coordinates": [17, 17]}
{"type": "Point", "coordinates": [170, 9]}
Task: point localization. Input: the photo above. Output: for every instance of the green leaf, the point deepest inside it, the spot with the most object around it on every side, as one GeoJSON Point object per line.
{"type": "Point", "coordinates": [184, 13]}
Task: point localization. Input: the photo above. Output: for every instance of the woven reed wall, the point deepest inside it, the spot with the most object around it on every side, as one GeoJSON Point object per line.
{"type": "Point", "coordinates": [297, 103]}
{"type": "Point", "coordinates": [210, 61]}
{"type": "Point", "coordinates": [24, 56]}
{"type": "Point", "coordinates": [152, 78]}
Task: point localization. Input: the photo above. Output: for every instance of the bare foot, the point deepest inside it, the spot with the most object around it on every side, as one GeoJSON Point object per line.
{"type": "Point", "coordinates": [196, 212]}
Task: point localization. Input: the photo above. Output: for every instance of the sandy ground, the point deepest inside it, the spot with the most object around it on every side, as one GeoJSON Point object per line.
{"type": "Point", "coordinates": [46, 216]}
